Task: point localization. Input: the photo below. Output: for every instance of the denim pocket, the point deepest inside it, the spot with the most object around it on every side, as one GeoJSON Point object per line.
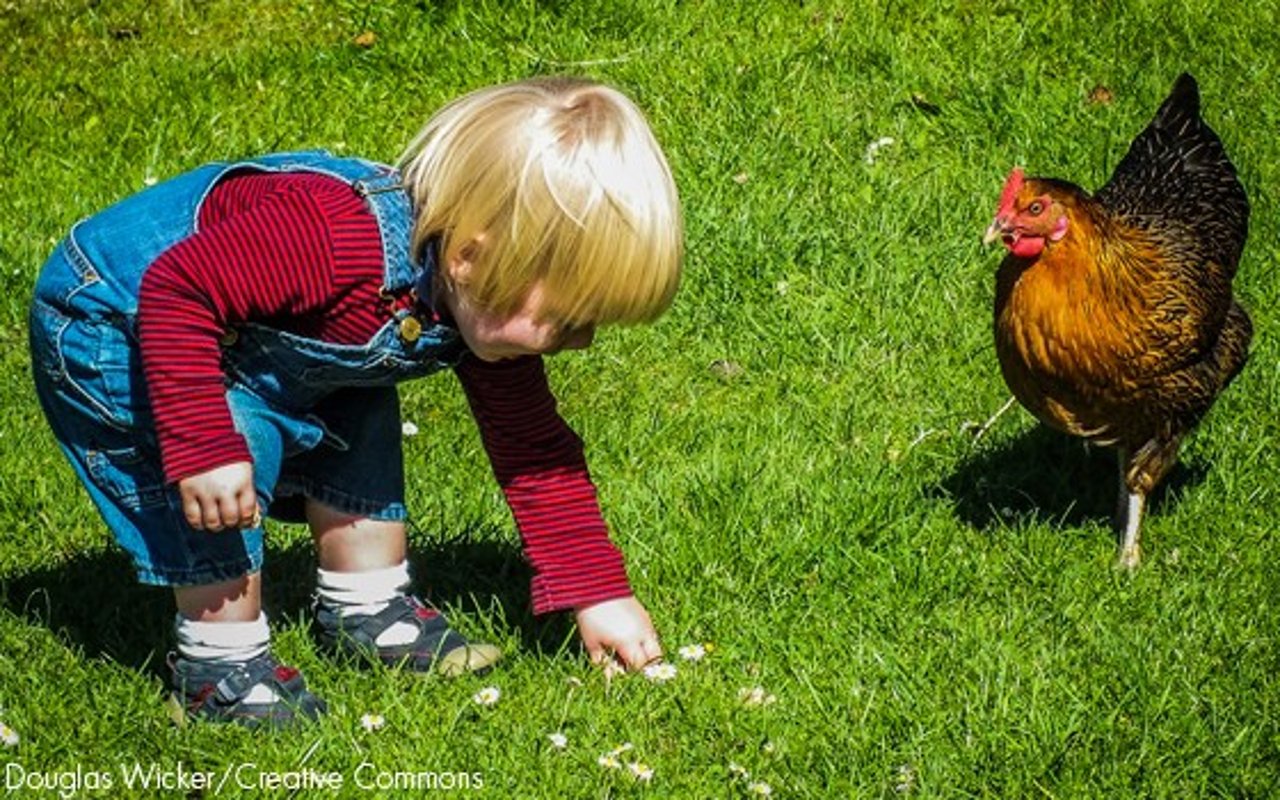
{"type": "Point", "coordinates": [92, 360]}
{"type": "Point", "coordinates": [65, 274]}
{"type": "Point", "coordinates": [130, 475]}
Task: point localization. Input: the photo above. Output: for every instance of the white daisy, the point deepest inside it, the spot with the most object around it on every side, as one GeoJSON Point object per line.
{"type": "Point", "coordinates": [408, 429]}
{"type": "Point", "coordinates": [373, 722]}
{"type": "Point", "coordinates": [756, 696]}
{"type": "Point", "coordinates": [641, 771]}
{"type": "Point", "coordinates": [558, 740]}
{"type": "Point", "coordinates": [8, 736]}
{"type": "Point", "coordinates": [487, 696]}
{"type": "Point", "coordinates": [660, 672]}
{"type": "Point", "coordinates": [759, 789]}
{"type": "Point", "coordinates": [873, 148]}
{"type": "Point", "coordinates": [693, 652]}
{"type": "Point", "coordinates": [609, 761]}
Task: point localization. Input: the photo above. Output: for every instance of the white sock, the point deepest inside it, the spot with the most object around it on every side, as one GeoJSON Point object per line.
{"type": "Point", "coordinates": [226, 642]}
{"type": "Point", "coordinates": [365, 593]}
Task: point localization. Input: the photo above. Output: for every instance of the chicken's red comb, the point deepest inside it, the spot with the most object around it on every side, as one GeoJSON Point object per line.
{"type": "Point", "coordinates": [1011, 186]}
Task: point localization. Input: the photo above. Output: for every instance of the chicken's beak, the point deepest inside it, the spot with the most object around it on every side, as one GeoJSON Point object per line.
{"type": "Point", "coordinates": [995, 231]}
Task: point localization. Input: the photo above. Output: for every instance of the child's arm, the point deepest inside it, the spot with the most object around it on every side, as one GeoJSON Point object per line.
{"type": "Point", "coordinates": [275, 248]}
{"type": "Point", "coordinates": [539, 463]}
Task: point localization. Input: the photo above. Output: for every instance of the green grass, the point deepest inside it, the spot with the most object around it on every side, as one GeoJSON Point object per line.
{"type": "Point", "coordinates": [783, 458]}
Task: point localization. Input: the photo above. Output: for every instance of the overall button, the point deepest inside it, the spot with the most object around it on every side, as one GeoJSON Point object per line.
{"type": "Point", "coordinates": [410, 329]}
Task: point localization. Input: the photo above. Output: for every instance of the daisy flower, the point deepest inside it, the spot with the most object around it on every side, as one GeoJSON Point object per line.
{"type": "Point", "coordinates": [372, 722]}
{"type": "Point", "coordinates": [408, 429]}
{"type": "Point", "coordinates": [693, 652]}
{"type": "Point", "coordinates": [609, 761]}
{"type": "Point", "coordinates": [622, 748]}
{"type": "Point", "coordinates": [756, 696]}
{"type": "Point", "coordinates": [906, 779]}
{"type": "Point", "coordinates": [641, 771]}
{"type": "Point", "coordinates": [760, 789]}
{"type": "Point", "coordinates": [558, 740]}
{"type": "Point", "coordinates": [8, 736]}
{"type": "Point", "coordinates": [487, 696]}
{"type": "Point", "coordinates": [660, 672]}
{"type": "Point", "coordinates": [873, 148]}
{"type": "Point", "coordinates": [738, 771]}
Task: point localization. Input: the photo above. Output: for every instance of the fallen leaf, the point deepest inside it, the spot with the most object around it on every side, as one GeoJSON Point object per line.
{"type": "Point", "coordinates": [365, 39]}
{"type": "Point", "coordinates": [725, 369]}
{"type": "Point", "coordinates": [1100, 95]}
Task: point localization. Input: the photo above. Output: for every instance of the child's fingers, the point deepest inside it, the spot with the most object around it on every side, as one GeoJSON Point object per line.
{"type": "Point", "coordinates": [633, 655]}
{"type": "Point", "coordinates": [651, 648]}
{"type": "Point", "coordinates": [192, 511]}
{"type": "Point", "coordinates": [228, 513]}
{"type": "Point", "coordinates": [249, 516]}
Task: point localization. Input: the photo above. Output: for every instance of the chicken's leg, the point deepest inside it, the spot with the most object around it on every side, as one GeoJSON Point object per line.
{"type": "Point", "coordinates": [1129, 508]}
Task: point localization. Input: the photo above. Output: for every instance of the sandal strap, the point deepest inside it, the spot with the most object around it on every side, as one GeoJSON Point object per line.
{"type": "Point", "coordinates": [433, 628]}
{"type": "Point", "coordinates": [220, 692]}
{"type": "Point", "coordinates": [285, 681]}
{"type": "Point", "coordinates": [357, 635]}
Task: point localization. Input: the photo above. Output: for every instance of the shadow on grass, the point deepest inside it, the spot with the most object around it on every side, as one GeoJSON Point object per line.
{"type": "Point", "coordinates": [94, 602]}
{"type": "Point", "coordinates": [1046, 475]}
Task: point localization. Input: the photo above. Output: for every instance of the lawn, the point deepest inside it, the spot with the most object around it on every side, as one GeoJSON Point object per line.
{"type": "Point", "coordinates": [786, 459]}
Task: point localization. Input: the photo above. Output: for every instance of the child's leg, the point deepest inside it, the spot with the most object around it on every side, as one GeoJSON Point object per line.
{"type": "Point", "coordinates": [236, 600]}
{"type": "Point", "coordinates": [363, 599]}
{"type": "Point", "coordinates": [224, 669]}
{"type": "Point", "coordinates": [223, 623]}
{"type": "Point", "coordinates": [349, 543]}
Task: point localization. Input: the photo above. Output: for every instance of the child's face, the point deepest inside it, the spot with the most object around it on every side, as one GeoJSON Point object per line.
{"type": "Point", "coordinates": [525, 331]}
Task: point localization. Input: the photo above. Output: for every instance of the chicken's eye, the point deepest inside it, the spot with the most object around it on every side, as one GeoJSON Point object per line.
{"type": "Point", "coordinates": [1036, 208]}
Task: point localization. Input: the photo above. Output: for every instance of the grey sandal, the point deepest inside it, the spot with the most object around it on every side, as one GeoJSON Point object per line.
{"type": "Point", "coordinates": [437, 646]}
{"type": "Point", "coordinates": [218, 692]}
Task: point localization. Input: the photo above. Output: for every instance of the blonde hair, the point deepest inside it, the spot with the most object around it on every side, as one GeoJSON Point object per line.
{"type": "Point", "coordinates": [560, 180]}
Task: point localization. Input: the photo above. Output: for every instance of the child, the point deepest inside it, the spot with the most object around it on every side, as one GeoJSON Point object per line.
{"type": "Point", "coordinates": [226, 345]}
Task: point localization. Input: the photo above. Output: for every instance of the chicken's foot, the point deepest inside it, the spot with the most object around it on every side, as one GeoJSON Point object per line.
{"type": "Point", "coordinates": [978, 431]}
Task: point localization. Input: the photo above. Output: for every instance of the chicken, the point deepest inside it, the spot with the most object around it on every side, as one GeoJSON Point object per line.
{"type": "Point", "coordinates": [1114, 315]}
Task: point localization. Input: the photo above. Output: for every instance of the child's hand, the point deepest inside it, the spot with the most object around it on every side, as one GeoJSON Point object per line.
{"type": "Point", "coordinates": [221, 498]}
{"type": "Point", "coordinates": [619, 628]}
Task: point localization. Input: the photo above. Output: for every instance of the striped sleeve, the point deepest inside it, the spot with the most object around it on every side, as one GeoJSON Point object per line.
{"type": "Point", "coordinates": [270, 248]}
{"type": "Point", "coordinates": [539, 463]}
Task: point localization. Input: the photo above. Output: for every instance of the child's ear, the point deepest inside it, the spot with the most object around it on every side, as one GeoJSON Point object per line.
{"type": "Point", "coordinates": [460, 264]}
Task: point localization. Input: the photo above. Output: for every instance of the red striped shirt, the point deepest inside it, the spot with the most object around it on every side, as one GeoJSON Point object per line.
{"type": "Point", "coordinates": [301, 252]}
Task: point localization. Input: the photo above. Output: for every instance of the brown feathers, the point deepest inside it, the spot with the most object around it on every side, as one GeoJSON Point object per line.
{"type": "Point", "coordinates": [1114, 315]}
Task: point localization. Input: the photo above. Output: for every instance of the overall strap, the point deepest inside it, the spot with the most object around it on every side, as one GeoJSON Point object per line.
{"type": "Point", "coordinates": [387, 198]}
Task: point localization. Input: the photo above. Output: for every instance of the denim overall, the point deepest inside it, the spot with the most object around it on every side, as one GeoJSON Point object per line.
{"type": "Point", "coordinates": [320, 420]}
